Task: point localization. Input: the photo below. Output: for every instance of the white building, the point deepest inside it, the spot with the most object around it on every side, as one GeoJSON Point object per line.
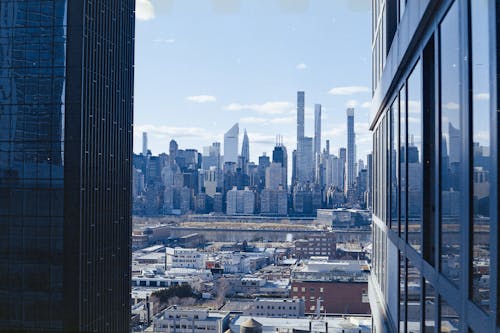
{"type": "Point", "coordinates": [190, 320]}
{"type": "Point", "coordinates": [276, 307]}
{"type": "Point", "coordinates": [231, 144]}
{"type": "Point", "coordinates": [185, 258]}
{"type": "Point", "coordinates": [240, 201]}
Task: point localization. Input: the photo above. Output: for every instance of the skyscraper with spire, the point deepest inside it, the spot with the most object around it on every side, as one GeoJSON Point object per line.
{"type": "Point", "coordinates": [245, 148]}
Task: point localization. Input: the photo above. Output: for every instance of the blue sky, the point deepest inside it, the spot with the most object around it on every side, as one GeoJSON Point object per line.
{"type": "Point", "coordinates": [203, 65]}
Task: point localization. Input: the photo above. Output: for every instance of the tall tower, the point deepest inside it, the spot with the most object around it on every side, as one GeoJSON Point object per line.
{"type": "Point", "coordinates": [300, 115]}
{"type": "Point", "coordinates": [351, 150]}
{"type": "Point", "coordinates": [280, 156]}
{"type": "Point", "coordinates": [65, 165]}
{"type": "Point", "coordinates": [144, 143]}
{"type": "Point", "coordinates": [231, 144]}
{"type": "Point", "coordinates": [317, 129]}
{"type": "Point", "coordinates": [245, 148]}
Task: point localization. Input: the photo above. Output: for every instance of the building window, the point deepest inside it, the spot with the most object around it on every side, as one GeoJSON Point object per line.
{"type": "Point", "coordinates": [429, 307]}
{"type": "Point", "coordinates": [481, 159]}
{"type": "Point", "coordinates": [414, 288]}
{"type": "Point", "coordinates": [449, 320]}
{"type": "Point", "coordinates": [393, 144]}
{"type": "Point", "coordinates": [402, 162]}
{"type": "Point", "coordinates": [414, 157]}
{"type": "Point", "coordinates": [451, 144]}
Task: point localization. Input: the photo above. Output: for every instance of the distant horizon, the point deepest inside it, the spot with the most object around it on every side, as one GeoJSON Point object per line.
{"type": "Point", "coordinates": [243, 62]}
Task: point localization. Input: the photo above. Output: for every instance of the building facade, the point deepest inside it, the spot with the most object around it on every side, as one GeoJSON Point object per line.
{"type": "Point", "coordinates": [351, 151]}
{"type": "Point", "coordinates": [66, 110]}
{"type": "Point", "coordinates": [435, 166]}
{"type": "Point", "coordinates": [231, 144]}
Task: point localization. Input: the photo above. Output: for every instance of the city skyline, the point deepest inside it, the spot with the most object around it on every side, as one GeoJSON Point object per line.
{"type": "Point", "coordinates": [243, 77]}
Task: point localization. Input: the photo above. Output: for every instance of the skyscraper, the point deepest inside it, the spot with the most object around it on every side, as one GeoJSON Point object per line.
{"type": "Point", "coordinates": [305, 161]}
{"type": "Point", "coordinates": [300, 115]}
{"type": "Point", "coordinates": [144, 143]}
{"type": "Point", "coordinates": [435, 202]}
{"type": "Point", "coordinates": [245, 148]}
{"type": "Point", "coordinates": [317, 129]}
{"type": "Point", "coordinates": [231, 144]}
{"type": "Point", "coordinates": [280, 156]}
{"type": "Point", "coordinates": [351, 150]}
{"type": "Point", "coordinates": [66, 99]}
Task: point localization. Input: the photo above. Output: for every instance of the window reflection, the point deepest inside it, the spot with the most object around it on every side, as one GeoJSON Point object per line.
{"type": "Point", "coordinates": [451, 143]}
{"type": "Point", "coordinates": [414, 158]}
{"type": "Point", "coordinates": [481, 154]}
{"type": "Point", "coordinates": [414, 300]}
{"type": "Point", "coordinates": [402, 162]}
{"type": "Point", "coordinates": [449, 320]}
{"type": "Point", "coordinates": [394, 123]}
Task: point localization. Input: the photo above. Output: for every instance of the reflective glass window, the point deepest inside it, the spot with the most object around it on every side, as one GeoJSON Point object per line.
{"type": "Point", "coordinates": [451, 144]}
{"type": "Point", "coordinates": [414, 158]}
{"type": "Point", "coordinates": [481, 168]}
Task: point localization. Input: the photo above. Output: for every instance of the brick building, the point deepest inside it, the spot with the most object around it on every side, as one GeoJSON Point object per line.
{"type": "Point", "coordinates": [341, 285]}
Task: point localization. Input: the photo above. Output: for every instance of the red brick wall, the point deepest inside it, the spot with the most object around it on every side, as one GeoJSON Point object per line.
{"type": "Point", "coordinates": [338, 297]}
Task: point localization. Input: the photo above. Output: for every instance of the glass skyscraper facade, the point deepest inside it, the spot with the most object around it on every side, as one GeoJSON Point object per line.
{"type": "Point", "coordinates": [66, 98]}
{"type": "Point", "coordinates": [435, 166]}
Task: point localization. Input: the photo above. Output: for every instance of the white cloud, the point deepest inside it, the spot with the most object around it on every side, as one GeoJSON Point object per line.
{"type": "Point", "coordinates": [201, 98]}
{"type": "Point", "coordinates": [482, 96]}
{"type": "Point", "coordinates": [265, 108]}
{"type": "Point", "coordinates": [366, 105]}
{"type": "Point", "coordinates": [144, 10]}
{"type": "Point", "coordinates": [348, 90]}
{"type": "Point", "coordinates": [452, 106]}
{"type": "Point", "coordinates": [164, 40]}
{"type": "Point", "coordinates": [352, 103]}
{"type": "Point", "coordinates": [253, 120]}
{"type": "Point", "coordinates": [164, 132]}
{"type": "Point", "coordinates": [267, 121]}
{"type": "Point", "coordinates": [301, 66]}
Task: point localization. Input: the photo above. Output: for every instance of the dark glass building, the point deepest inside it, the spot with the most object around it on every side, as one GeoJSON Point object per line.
{"type": "Point", "coordinates": [66, 97]}
{"type": "Point", "coordinates": [435, 164]}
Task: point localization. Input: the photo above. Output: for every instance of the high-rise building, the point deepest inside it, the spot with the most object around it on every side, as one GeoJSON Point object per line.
{"type": "Point", "coordinates": [280, 156]}
{"type": "Point", "coordinates": [173, 148]}
{"type": "Point", "coordinates": [305, 161]}
{"type": "Point", "coordinates": [351, 151]}
{"type": "Point", "coordinates": [231, 144]}
{"type": "Point", "coordinates": [144, 143]}
{"type": "Point", "coordinates": [274, 176]}
{"type": "Point", "coordinates": [317, 129]}
{"type": "Point", "coordinates": [66, 111]}
{"type": "Point", "coordinates": [435, 196]}
{"type": "Point", "coordinates": [300, 115]}
{"type": "Point", "coordinates": [245, 148]}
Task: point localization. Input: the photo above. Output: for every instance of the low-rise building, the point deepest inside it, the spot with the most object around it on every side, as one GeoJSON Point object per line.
{"type": "Point", "coordinates": [316, 245]}
{"type": "Point", "coordinates": [185, 258]}
{"type": "Point", "coordinates": [341, 286]}
{"type": "Point", "coordinates": [293, 325]}
{"type": "Point", "coordinates": [191, 320]}
{"type": "Point", "coordinates": [275, 307]}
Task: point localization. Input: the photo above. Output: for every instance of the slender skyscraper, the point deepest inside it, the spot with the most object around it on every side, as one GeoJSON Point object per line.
{"type": "Point", "coordinates": [300, 115]}
{"type": "Point", "coordinates": [66, 110]}
{"type": "Point", "coordinates": [231, 144]}
{"type": "Point", "coordinates": [144, 143]}
{"type": "Point", "coordinates": [245, 148]}
{"type": "Point", "coordinates": [351, 150]}
{"type": "Point", "coordinates": [317, 129]}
